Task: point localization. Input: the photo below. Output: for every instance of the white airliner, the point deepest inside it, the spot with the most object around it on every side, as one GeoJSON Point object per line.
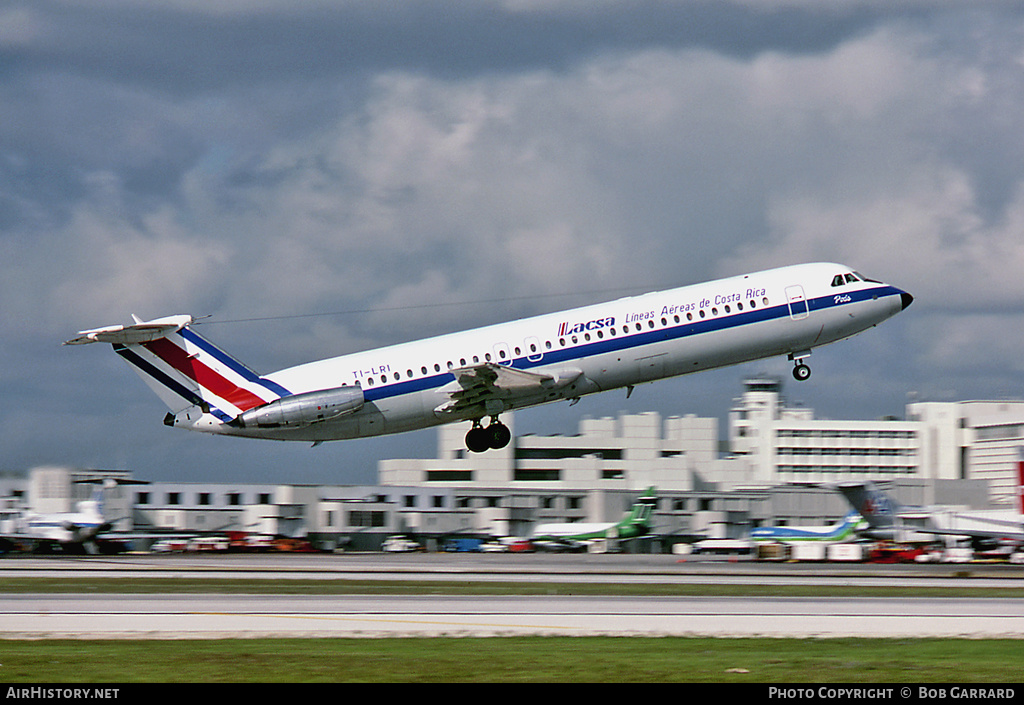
{"type": "Point", "coordinates": [479, 374]}
{"type": "Point", "coordinates": [72, 532]}
{"type": "Point", "coordinates": [572, 535]}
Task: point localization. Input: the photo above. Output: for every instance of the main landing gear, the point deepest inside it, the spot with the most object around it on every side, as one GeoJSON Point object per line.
{"type": "Point", "coordinates": [495, 436]}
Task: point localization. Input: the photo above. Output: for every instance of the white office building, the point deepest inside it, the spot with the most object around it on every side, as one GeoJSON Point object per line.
{"type": "Point", "coordinates": [976, 440]}
{"type": "Point", "coordinates": [784, 443]}
{"type": "Point", "coordinates": [965, 440]}
{"type": "Point", "coordinates": [631, 452]}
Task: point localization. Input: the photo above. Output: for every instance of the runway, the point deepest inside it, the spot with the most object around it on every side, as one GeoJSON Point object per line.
{"type": "Point", "coordinates": [225, 616]}
{"type": "Point", "coordinates": [532, 568]}
{"type": "Point", "coordinates": [177, 616]}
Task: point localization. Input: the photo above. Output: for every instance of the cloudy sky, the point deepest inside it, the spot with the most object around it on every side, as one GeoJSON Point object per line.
{"type": "Point", "coordinates": [392, 170]}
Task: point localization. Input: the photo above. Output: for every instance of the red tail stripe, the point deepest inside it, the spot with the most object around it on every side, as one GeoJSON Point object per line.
{"type": "Point", "coordinates": [1020, 484]}
{"type": "Point", "coordinates": [203, 375]}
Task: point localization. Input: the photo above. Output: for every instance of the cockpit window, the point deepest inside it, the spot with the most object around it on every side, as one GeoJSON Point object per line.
{"type": "Point", "coordinates": [867, 279]}
{"type": "Point", "coordinates": [849, 278]}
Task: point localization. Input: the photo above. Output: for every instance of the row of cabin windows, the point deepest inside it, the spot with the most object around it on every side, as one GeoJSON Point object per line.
{"type": "Point", "coordinates": [548, 345]}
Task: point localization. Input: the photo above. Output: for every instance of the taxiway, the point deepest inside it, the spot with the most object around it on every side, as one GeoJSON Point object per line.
{"type": "Point", "coordinates": [128, 615]}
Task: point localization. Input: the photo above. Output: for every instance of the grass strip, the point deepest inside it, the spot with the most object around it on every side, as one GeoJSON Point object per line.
{"type": "Point", "coordinates": [512, 660]}
{"type": "Point", "coordinates": [261, 586]}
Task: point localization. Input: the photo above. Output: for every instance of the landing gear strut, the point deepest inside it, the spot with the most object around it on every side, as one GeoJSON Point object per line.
{"type": "Point", "coordinates": [801, 372]}
{"type": "Point", "coordinates": [495, 436]}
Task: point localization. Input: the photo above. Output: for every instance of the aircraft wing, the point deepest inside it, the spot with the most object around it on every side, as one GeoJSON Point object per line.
{"type": "Point", "coordinates": [971, 533]}
{"type": "Point", "coordinates": [483, 390]}
{"type": "Point", "coordinates": [557, 545]}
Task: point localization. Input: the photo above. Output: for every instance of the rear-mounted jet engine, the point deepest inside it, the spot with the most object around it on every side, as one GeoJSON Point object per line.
{"type": "Point", "coordinates": [304, 409]}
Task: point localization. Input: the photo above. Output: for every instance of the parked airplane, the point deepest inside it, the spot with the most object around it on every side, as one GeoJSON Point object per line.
{"type": "Point", "coordinates": [889, 521]}
{"type": "Point", "coordinates": [636, 522]}
{"type": "Point", "coordinates": [71, 532]}
{"type": "Point", "coordinates": [845, 530]}
{"type": "Point", "coordinates": [482, 373]}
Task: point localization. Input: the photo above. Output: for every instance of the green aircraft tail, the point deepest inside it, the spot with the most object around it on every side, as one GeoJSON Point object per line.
{"type": "Point", "coordinates": [638, 522]}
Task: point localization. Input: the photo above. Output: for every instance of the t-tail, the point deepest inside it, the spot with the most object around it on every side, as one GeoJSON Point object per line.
{"type": "Point", "coordinates": [203, 386]}
{"type": "Point", "coordinates": [880, 512]}
{"type": "Point", "coordinates": [1020, 479]}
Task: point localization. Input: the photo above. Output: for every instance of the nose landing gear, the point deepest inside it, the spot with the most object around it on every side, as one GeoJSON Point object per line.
{"type": "Point", "coordinates": [801, 372]}
{"type": "Point", "coordinates": [496, 435]}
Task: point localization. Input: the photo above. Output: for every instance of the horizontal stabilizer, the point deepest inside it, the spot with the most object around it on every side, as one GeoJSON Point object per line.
{"type": "Point", "coordinates": [138, 332]}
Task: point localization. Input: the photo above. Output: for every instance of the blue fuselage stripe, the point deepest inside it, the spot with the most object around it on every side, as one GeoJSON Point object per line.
{"type": "Point", "coordinates": [638, 339]}
{"type": "Point", "coordinates": [179, 389]}
{"type": "Point", "coordinates": [232, 364]}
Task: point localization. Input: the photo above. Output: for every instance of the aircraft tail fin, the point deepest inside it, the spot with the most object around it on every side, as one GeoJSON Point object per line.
{"type": "Point", "coordinates": [1020, 479]}
{"type": "Point", "coordinates": [871, 503]}
{"type": "Point", "coordinates": [185, 369]}
{"type": "Point", "coordinates": [643, 508]}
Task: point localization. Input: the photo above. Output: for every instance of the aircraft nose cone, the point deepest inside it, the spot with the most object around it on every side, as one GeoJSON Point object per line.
{"type": "Point", "coordinates": [907, 299]}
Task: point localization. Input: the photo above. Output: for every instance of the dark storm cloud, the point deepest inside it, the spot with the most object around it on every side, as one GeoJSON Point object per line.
{"type": "Point", "coordinates": [185, 49]}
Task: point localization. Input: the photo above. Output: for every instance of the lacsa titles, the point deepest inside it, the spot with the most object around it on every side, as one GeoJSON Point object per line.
{"type": "Point", "coordinates": [596, 324]}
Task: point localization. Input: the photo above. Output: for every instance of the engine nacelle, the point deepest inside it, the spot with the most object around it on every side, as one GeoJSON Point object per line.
{"type": "Point", "coordinates": [304, 409]}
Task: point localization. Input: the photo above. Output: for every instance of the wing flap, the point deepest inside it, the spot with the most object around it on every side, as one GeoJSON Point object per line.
{"type": "Point", "coordinates": [479, 389]}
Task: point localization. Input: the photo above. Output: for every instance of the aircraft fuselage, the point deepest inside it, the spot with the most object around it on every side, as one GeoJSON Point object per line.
{"type": "Point", "coordinates": [487, 371]}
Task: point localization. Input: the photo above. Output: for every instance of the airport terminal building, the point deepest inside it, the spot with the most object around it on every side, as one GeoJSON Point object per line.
{"type": "Point", "coordinates": [769, 443]}
{"type": "Point", "coordinates": [766, 472]}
